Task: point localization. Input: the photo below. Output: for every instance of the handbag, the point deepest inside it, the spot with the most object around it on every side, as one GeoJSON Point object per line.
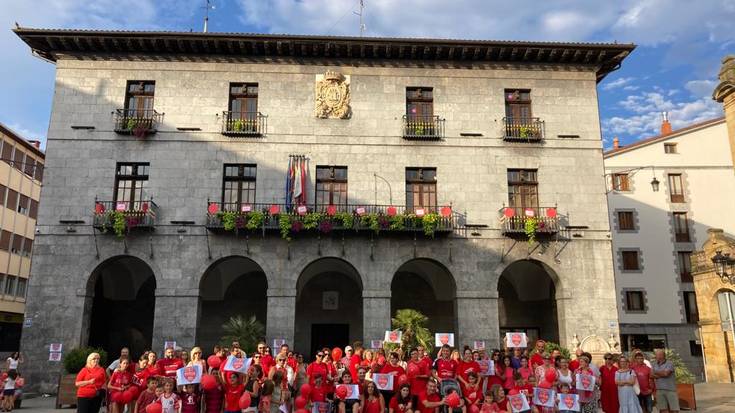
{"type": "Point", "coordinates": [636, 386]}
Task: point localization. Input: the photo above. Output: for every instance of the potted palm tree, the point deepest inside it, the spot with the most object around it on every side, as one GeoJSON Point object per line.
{"type": "Point", "coordinates": [246, 330]}
{"type": "Point", "coordinates": [412, 324]}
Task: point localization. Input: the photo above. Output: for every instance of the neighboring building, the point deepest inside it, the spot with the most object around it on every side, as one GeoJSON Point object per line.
{"type": "Point", "coordinates": [476, 136]}
{"type": "Point", "coordinates": [655, 232]}
{"type": "Point", "coordinates": [21, 172]}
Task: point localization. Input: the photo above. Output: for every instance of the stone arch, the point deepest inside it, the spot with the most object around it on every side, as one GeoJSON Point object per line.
{"type": "Point", "coordinates": [426, 285]}
{"type": "Point", "coordinates": [120, 304]}
{"type": "Point", "coordinates": [528, 292]}
{"type": "Point", "coordinates": [231, 286]}
{"type": "Point", "coordinates": [328, 305]}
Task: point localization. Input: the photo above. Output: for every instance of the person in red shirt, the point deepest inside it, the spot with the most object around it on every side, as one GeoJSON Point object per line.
{"type": "Point", "coordinates": [466, 366]}
{"type": "Point", "coordinates": [537, 358]}
{"type": "Point", "coordinates": [356, 360]}
{"type": "Point", "coordinates": [500, 402]}
{"type": "Point", "coordinates": [168, 365]}
{"type": "Point", "coordinates": [372, 400]}
{"type": "Point", "coordinates": [420, 373]}
{"type": "Point", "coordinates": [424, 357]}
{"type": "Point", "coordinates": [152, 365]}
{"type": "Point", "coordinates": [233, 392]}
{"type": "Point", "coordinates": [523, 387]}
{"type": "Point", "coordinates": [318, 367]}
{"type": "Point", "coordinates": [394, 369]}
{"type": "Point", "coordinates": [191, 401]}
{"type": "Point", "coordinates": [402, 402]}
{"type": "Point", "coordinates": [429, 400]}
{"type": "Point", "coordinates": [119, 382]}
{"type": "Point", "coordinates": [318, 395]}
{"type": "Point", "coordinates": [266, 359]}
{"type": "Point", "coordinates": [472, 392]}
{"type": "Point", "coordinates": [445, 367]}
{"type": "Point", "coordinates": [645, 382]}
{"type": "Point", "coordinates": [147, 396]}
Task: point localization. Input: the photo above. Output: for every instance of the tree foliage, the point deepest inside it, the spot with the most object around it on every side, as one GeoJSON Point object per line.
{"type": "Point", "coordinates": [243, 329]}
{"type": "Point", "coordinates": [412, 324]}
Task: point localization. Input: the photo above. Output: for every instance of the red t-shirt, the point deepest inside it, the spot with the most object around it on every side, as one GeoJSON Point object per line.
{"type": "Point", "coordinates": [473, 394]}
{"type": "Point", "coordinates": [213, 399]}
{"type": "Point", "coordinates": [140, 378]}
{"type": "Point", "coordinates": [355, 361]}
{"type": "Point", "coordinates": [190, 402]}
{"type": "Point", "coordinates": [445, 369]}
{"type": "Point", "coordinates": [418, 384]}
{"type": "Point", "coordinates": [291, 361]}
{"type": "Point", "coordinates": [168, 367]}
{"type": "Point", "coordinates": [120, 379]}
{"type": "Point", "coordinates": [536, 360]}
{"type": "Point", "coordinates": [526, 390]}
{"type": "Point", "coordinates": [318, 394]}
{"type": "Point", "coordinates": [266, 362]}
{"type": "Point", "coordinates": [90, 390]}
{"type": "Point", "coordinates": [431, 398]}
{"type": "Point", "coordinates": [395, 370]}
{"type": "Point", "coordinates": [372, 406]}
{"type": "Point", "coordinates": [467, 367]}
{"type": "Point", "coordinates": [643, 373]}
{"type": "Point", "coordinates": [316, 368]}
{"type": "Point", "coordinates": [232, 396]}
{"type": "Point", "coordinates": [397, 407]}
{"type": "Point", "coordinates": [502, 405]}
{"type": "Point", "coordinates": [146, 397]}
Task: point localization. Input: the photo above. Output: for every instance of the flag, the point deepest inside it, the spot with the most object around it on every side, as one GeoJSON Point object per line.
{"type": "Point", "coordinates": [568, 401]}
{"type": "Point", "coordinates": [238, 365]}
{"type": "Point", "coordinates": [288, 184]}
{"type": "Point", "coordinates": [383, 381]}
{"type": "Point", "coordinates": [544, 397]}
{"type": "Point", "coordinates": [297, 183]}
{"type": "Point", "coordinates": [189, 375]}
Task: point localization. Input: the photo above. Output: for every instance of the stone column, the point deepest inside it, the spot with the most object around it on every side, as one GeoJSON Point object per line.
{"type": "Point", "coordinates": [175, 317]}
{"type": "Point", "coordinates": [725, 94]}
{"type": "Point", "coordinates": [477, 318]}
{"type": "Point", "coordinates": [375, 315]}
{"type": "Point", "coordinates": [281, 315]}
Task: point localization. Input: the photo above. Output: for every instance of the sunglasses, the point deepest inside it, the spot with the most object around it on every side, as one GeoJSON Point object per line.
{"type": "Point", "coordinates": [256, 357]}
{"type": "Point", "coordinates": [320, 355]}
{"type": "Point", "coordinates": [608, 358]}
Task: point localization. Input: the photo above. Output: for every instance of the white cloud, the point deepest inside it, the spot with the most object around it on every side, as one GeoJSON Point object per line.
{"type": "Point", "coordinates": [701, 88]}
{"type": "Point", "coordinates": [630, 88]}
{"type": "Point", "coordinates": [617, 83]}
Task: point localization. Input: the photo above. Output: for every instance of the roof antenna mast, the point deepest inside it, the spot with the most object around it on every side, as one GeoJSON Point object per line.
{"type": "Point", "coordinates": [362, 22]}
{"type": "Point", "coordinates": [207, 6]}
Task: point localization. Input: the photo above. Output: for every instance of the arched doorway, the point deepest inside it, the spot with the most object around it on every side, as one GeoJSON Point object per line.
{"type": "Point", "coordinates": [527, 300]}
{"type": "Point", "coordinates": [122, 290]}
{"type": "Point", "coordinates": [328, 305]}
{"type": "Point", "coordinates": [426, 286]}
{"type": "Point", "coordinates": [232, 286]}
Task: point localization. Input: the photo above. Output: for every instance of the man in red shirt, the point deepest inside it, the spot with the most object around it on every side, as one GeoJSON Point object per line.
{"type": "Point", "coordinates": [168, 365]}
{"type": "Point", "coordinates": [429, 400]}
{"type": "Point", "coordinates": [445, 367]}
{"type": "Point", "coordinates": [645, 382]}
{"type": "Point", "coordinates": [394, 369]}
{"type": "Point", "coordinates": [266, 359]}
{"type": "Point", "coordinates": [418, 380]}
{"type": "Point", "coordinates": [538, 359]}
{"type": "Point", "coordinates": [355, 360]}
{"type": "Point", "coordinates": [317, 368]}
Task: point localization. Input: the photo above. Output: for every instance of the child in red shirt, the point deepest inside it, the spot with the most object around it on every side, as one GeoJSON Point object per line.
{"type": "Point", "coordinates": [147, 396]}
{"type": "Point", "coordinates": [213, 398]}
{"type": "Point", "coordinates": [233, 391]}
{"type": "Point", "coordinates": [318, 392]}
{"type": "Point", "coordinates": [402, 402]}
{"type": "Point", "coordinates": [523, 387]}
{"type": "Point", "coordinates": [190, 400]}
{"type": "Point", "coordinates": [472, 391]}
{"type": "Point", "coordinates": [119, 382]}
{"type": "Point", "coordinates": [170, 401]}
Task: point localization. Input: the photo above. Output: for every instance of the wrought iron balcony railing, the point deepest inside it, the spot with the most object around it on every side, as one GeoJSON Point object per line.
{"type": "Point", "coordinates": [423, 127]}
{"type": "Point", "coordinates": [520, 220]}
{"type": "Point", "coordinates": [121, 217]}
{"type": "Point", "coordinates": [244, 124]}
{"type": "Point", "coordinates": [137, 122]}
{"type": "Point", "coordinates": [320, 218]}
{"type": "Point", "coordinates": [523, 129]}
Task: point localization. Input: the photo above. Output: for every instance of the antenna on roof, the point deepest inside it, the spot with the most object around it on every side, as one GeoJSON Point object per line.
{"type": "Point", "coordinates": [362, 22]}
{"type": "Point", "coordinates": [207, 6]}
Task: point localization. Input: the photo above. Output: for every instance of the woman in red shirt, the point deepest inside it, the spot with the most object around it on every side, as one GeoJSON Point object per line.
{"type": "Point", "coordinates": [90, 380]}
{"type": "Point", "coordinates": [120, 381]}
{"type": "Point", "coordinates": [472, 391]}
{"type": "Point", "coordinates": [372, 400]}
{"type": "Point", "coordinates": [402, 402]}
{"type": "Point", "coordinates": [505, 372]}
{"type": "Point", "coordinates": [466, 366]}
{"type": "Point", "coordinates": [233, 391]}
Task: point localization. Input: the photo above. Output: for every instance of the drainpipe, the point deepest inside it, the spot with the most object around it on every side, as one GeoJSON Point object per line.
{"type": "Point", "coordinates": [704, 354]}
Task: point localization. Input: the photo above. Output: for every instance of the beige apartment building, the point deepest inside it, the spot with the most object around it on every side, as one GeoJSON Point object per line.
{"type": "Point", "coordinates": [21, 172]}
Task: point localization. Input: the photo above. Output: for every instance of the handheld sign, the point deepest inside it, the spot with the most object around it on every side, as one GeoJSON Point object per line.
{"type": "Point", "coordinates": [487, 367]}
{"type": "Point", "coordinates": [189, 375]}
{"type": "Point", "coordinates": [383, 381]}
{"type": "Point", "coordinates": [353, 392]}
{"type": "Point", "coordinates": [544, 397]}
{"type": "Point", "coordinates": [376, 344]}
{"type": "Point", "coordinates": [441, 339]}
{"type": "Point", "coordinates": [516, 340]}
{"type": "Point", "coordinates": [585, 382]}
{"type": "Point", "coordinates": [238, 365]}
{"type": "Point", "coordinates": [393, 336]}
{"type": "Point", "coordinates": [518, 403]}
{"type": "Point", "coordinates": [568, 401]}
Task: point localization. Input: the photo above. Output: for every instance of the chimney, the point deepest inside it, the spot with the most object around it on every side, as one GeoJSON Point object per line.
{"type": "Point", "coordinates": [616, 143]}
{"type": "Point", "coordinates": [35, 143]}
{"type": "Point", "coordinates": [665, 125]}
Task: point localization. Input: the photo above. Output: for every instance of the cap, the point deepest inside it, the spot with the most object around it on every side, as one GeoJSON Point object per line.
{"type": "Point", "coordinates": [348, 348]}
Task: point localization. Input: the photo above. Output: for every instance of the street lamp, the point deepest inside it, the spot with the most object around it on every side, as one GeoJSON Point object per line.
{"type": "Point", "coordinates": [724, 267]}
{"type": "Point", "coordinates": [654, 184]}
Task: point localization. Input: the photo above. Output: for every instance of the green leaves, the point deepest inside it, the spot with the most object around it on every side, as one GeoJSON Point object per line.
{"type": "Point", "coordinates": [413, 325]}
{"type": "Point", "coordinates": [530, 227]}
{"type": "Point", "coordinates": [246, 330]}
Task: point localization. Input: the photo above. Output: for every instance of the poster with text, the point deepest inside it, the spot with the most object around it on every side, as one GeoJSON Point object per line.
{"type": "Point", "coordinates": [568, 401]}
{"type": "Point", "coordinates": [516, 340]}
{"type": "Point", "coordinates": [55, 347]}
{"type": "Point", "coordinates": [487, 367]}
{"type": "Point", "coordinates": [585, 382]}
{"type": "Point", "coordinates": [237, 364]}
{"type": "Point", "coordinates": [478, 345]}
{"type": "Point", "coordinates": [169, 344]}
{"type": "Point", "coordinates": [383, 381]}
{"type": "Point", "coordinates": [189, 375]}
{"type": "Point", "coordinates": [441, 339]}
{"type": "Point", "coordinates": [544, 397]}
{"type": "Point", "coordinates": [393, 336]}
{"type": "Point", "coordinates": [518, 403]}
{"type": "Point", "coordinates": [54, 356]}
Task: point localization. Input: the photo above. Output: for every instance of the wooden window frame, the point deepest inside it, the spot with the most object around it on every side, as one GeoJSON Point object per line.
{"type": "Point", "coordinates": [11, 201]}
{"type": "Point", "coordinates": [641, 300]}
{"type": "Point", "coordinates": [239, 180]}
{"type": "Point", "coordinates": [685, 266]}
{"type": "Point", "coordinates": [692, 317]}
{"type": "Point", "coordinates": [18, 284]}
{"type": "Point", "coordinates": [248, 97]}
{"type": "Point", "coordinates": [140, 96]}
{"type": "Point", "coordinates": [626, 261]}
{"type": "Point", "coordinates": [516, 105]}
{"type": "Point", "coordinates": [676, 188]}
{"type": "Point", "coordinates": [5, 237]}
{"type": "Point", "coordinates": [137, 181]}
{"type": "Point", "coordinates": [527, 185]}
{"type": "Point", "coordinates": [332, 182]}
{"type": "Point", "coordinates": [627, 224]}
{"type": "Point", "coordinates": [681, 227]}
{"type": "Point", "coordinates": [621, 182]}
{"type": "Point", "coordinates": [670, 148]}
{"type": "Point", "coordinates": [423, 103]}
{"type": "Point", "coordinates": [421, 183]}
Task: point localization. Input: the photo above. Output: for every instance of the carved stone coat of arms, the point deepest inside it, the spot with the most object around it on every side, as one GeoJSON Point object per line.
{"type": "Point", "coordinates": [332, 95]}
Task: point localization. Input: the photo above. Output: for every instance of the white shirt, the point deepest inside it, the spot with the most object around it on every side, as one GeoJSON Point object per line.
{"type": "Point", "coordinates": [12, 363]}
{"type": "Point", "coordinates": [9, 384]}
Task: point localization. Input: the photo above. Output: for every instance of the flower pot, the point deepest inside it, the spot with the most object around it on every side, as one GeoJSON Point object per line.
{"type": "Point", "coordinates": [67, 392]}
{"type": "Point", "coordinates": [686, 396]}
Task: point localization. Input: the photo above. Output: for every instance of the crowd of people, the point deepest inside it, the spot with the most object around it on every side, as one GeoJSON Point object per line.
{"type": "Point", "coordinates": [11, 382]}
{"type": "Point", "coordinates": [356, 381]}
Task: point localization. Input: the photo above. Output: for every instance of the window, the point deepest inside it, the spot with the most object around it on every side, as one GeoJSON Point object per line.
{"type": "Point", "coordinates": [20, 289]}
{"type": "Point", "coordinates": [27, 247]}
{"type": "Point", "coordinates": [670, 148]}
{"type": "Point", "coordinates": [523, 190]}
{"type": "Point", "coordinates": [238, 185]}
{"type": "Point", "coordinates": [39, 171]}
{"type": "Point", "coordinates": [7, 152]}
{"type": "Point", "coordinates": [695, 349]}
{"type": "Point", "coordinates": [33, 210]}
{"type": "Point", "coordinates": [685, 266]}
{"type": "Point", "coordinates": [675, 188]}
{"type": "Point", "coordinates": [3, 191]}
{"type": "Point", "coordinates": [419, 102]}
{"type": "Point", "coordinates": [12, 201]}
{"type": "Point", "coordinates": [722, 301]}
{"type": "Point", "coordinates": [620, 182]}
{"type": "Point", "coordinates": [139, 98]}
{"type": "Point", "coordinates": [29, 166]}
{"type": "Point", "coordinates": [630, 260]}
{"type": "Point", "coordinates": [16, 246]}
{"type": "Point", "coordinates": [23, 204]}
{"type": "Point", "coordinates": [518, 105]}
{"type": "Point", "coordinates": [243, 100]}
{"type": "Point", "coordinates": [690, 307]}
{"type": "Point", "coordinates": [634, 301]}
{"type": "Point", "coordinates": [130, 182]}
{"type": "Point", "coordinates": [626, 220]}
{"type": "Point", "coordinates": [421, 188]}
{"type": "Point", "coordinates": [9, 285]}
{"type": "Point", "coordinates": [643, 342]}
{"type": "Point", "coordinates": [18, 156]}
{"type": "Point", "coordinates": [5, 240]}
{"type": "Point", "coordinates": [681, 227]}
{"type": "Point", "coordinates": [331, 185]}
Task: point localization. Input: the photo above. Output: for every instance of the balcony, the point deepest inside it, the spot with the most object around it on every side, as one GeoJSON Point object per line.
{"type": "Point", "coordinates": [243, 124]}
{"type": "Point", "coordinates": [522, 222]}
{"type": "Point", "coordinates": [140, 123]}
{"type": "Point", "coordinates": [123, 217]}
{"type": "Point", "coordinates": [523, 130]}
{"type": "Point", "coordinates": [325, 219]}
{"type": "Point", "coordinates": [423, 127]}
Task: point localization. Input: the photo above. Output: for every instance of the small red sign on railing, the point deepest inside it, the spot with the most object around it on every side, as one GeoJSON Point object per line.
{"type": "Point", "coordinates": [213, 208]}
{"type": "Point", "coordinates": [99, 208]}
{"type": "Point", "coordinates": [420, 212]}
{"type": "Point", "coordinates": [551, 212]}
{"type": "Point", "coordinates": [446, 211]}
{"type": "Point", "coordinates": [274, 209]}
{"type": "Point", "coordinates": [509, 212]}
{"type": "Point", "coordinates": [331, 210]}
{"type": "Point", "coordinates": [391, 211]}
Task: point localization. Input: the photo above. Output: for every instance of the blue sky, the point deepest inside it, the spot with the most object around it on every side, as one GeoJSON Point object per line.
{"type": "Point", "coordinates": [681, 43]}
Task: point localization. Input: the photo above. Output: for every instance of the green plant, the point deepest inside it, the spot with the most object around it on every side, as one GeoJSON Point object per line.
{"type": "Point", "coordinates": [551, 346]}
{"type": "Point", "coordinates": [246, 330]}
{"type": "Point", "coordinates": [255, 219]}
{"type": "Point", "coordinates": [525, 132]}
{"type": "Point", "coordinates": [229, 219]}
{"type": "Point", "coordinates": [396, 222]}
{"type": "Point", "coordinates": [311, 220]}
{"type": "Point", "coordinates": [412, 324]}
{"type": "Point", "coordinates": [370, 221]}
{"type": "Point", "coordinates": [284, 224]}
{"type": "Point", "coordinates": [430, 222]}
{"type": "Point", "coordinates": [345, 218]}
{"type": "Point", "coordinates": [75, 359]}
{"type": "Point", "coordinates": [119, 223]}
{"type": "Point", "coordinates": [238, 125]}
{"type": "Point", "coordinates": [530, 226]}
{"type": "Point", "coordinates": [131, 123]}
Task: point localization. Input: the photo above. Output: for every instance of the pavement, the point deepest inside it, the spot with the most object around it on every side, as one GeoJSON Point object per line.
{"type": "Point", "coordinates": [711, 398]}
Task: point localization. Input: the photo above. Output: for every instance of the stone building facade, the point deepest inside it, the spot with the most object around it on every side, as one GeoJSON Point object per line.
{"type": "Point", "coordinates": [177, 275]}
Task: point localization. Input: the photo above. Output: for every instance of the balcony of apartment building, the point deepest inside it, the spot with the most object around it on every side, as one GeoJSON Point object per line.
{"type": "Point", "coordinates": [138, 117]}
{"type": "Point", "coordinates": [529, 221]}
{"type": "Point", "coordinates": [123, 217]}
{"type": "Point", "coordinates": [519, 124]}
{"type": "Point", "coordinates": [242, 117]}
{"type": "Point", "coordinates": [420, 122]}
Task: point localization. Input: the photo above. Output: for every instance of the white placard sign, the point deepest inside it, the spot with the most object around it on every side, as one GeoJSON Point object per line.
{"type": "Point", "coordinates": [189, 375]}
{"type": "Point", "coordinates": [516, 340]}
{"type": "Point", "coordinates": [441, 339]}
{"type": "Point", "coordinates": [393, 336]}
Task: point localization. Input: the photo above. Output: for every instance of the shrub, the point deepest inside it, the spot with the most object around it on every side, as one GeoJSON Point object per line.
{"type": "Point", "coordinates": [76, 358]}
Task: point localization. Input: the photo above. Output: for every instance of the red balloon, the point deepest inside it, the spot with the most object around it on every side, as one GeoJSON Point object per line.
{"type": "Point", "coordinates": [336, 354]}
{"type": "Point", "coordinates": [545, 384]}
{"type": "Point", "coordinates": [381, 360]}
{"type": "Point", "coordinates": [209, 382]}
{"type": "Point", "coordinates": [301, 411]}
{"type": "Point", "coordinates": [402, 379]}
{"type": "Point", "coordinates": [134, 392]}
{"type": "Point", "coordinates": [341, 391]}
{"type": "Point", "coordinates": [453, 400]}
{"type": "Point", "coordinates": [300, 402]}
{"type": "Point", "coordinates": [513, 392]}
{"type": "Point", "coordinates": [550, 375]}
{"type": "Point", "coordinates": [245, 400]}
{"type": "Point", "coordinates": [474, 409]}
{"type": "Point", "coordinates": [305, 390]}
{"type": "Point", "coordinates": [154, 407]}
{"type": "Point", "coordinates": [214, 362]}
{"type": "Point", "coordinates": [413, 370]}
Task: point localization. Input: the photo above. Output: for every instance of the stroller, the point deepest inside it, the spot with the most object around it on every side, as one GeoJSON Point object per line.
{"type": "Point", "coordinates": [446, 386]}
